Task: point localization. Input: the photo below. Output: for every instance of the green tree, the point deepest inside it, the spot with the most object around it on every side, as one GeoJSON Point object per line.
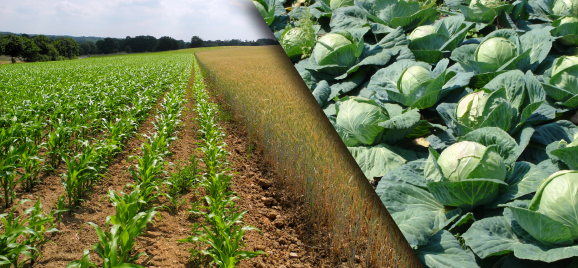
{"type": "Point", "coordinates": [167, 43]}
{"type": "Point", "coordinates": [87, 47]}
{"type": "Point", "coordinates": [13, 46]}
{"type": "Point", "coordinates": [47, 50]}
{"type": "Point", "coordinates": [196, 41]}
{"type": "Point", "coordinates": [66, 47]}
{"type": "Point", "coordinates": [108, 45]}
{"type": "Point", "coordinates": [30, 51]}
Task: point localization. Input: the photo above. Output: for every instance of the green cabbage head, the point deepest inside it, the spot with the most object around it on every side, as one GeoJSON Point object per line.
{"type": "Point", "coordinates": [551, 217]}
{"type": "Point", "coordinates": [471, 160]}
{"type": "Point", "coordinates": [567, 31]}
{"type": "Point", "coordinates": [563, 7]}
{"type": "Point", "coordinates": [466, 174]}
{"type": "Point", "coordinates": [434, 39]}
{"type": "Point", "coordinates": [295, 41]}
{"type": "Point", "coordinates": [480, 109]}
{"type": "Point", "coordinates": [561, 82]}
{"type": "Point", "coordinates": [565, 74]}
{"type": "Point", "coordinates": [358, 119]}
{"type": "Point", "coordinates": [568, 152]}
{"type": "Point", "coordinates": [414, 81]}
{"type": "Point", "coordinates": [496, 51]}
{"type": "Point", "coordinates": [422, 31]}
{"type": "Point", "coordinates": [488, 3]}
{"type": "Point", "coordinates": [330, 48]}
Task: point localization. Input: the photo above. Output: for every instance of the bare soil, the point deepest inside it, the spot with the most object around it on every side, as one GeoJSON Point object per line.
{"type": "Point", "coordinates": [289, 237]}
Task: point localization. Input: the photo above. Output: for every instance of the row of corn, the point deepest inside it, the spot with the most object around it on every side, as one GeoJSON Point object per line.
{"type": "Point", "coordinates": [86, 159]}
{"type": "Point", "coordinates": [218, 237]}
{"type": "Point", "coordinates": [134, 210]}
{"type": "Point", "coordinates": [44, 124]}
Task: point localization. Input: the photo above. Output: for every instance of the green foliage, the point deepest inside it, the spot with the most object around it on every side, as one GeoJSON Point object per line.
{"type": "Point", "coordinates": [489, 85]}
{"type": "Point", "coordinates": [222, 227]}
{"type": "Point", "coordinates": [23, 235]}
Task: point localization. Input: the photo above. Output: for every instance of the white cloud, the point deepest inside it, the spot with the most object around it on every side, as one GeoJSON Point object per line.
{"type": "Point", "coordinates": [181, 19]}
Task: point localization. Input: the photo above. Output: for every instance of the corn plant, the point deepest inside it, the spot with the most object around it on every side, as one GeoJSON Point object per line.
{"type": "Point", "coordinates": [22, 235]}
{"type": "Point", "coordinates": [8, 163]}
{"type": "Point", "coordinates": [114, 246]}
{"type": "Point", "coordinates": [127, 205]}
{"type": "Point", "coordinates": [34, 129]}
{"type": "Point", "coordinates": [158, 144]}
{"type": "Point", "coordinates": [149, 168]}
{"type": "Point", "coordinates": [225, 237]}
{"type": "Point", "coordinates": [8, 137]}
{"type": "Point", "coordinates": [60, 207]}
{"type": "Point", "coordinates": [183, 180]}
{"type": "Point", "coordinates": [79, 175]}
{"type": "Point", "coordinates": [222, 229]}
{"type": "Point", "coordinates": [57, 140]}
{"type": "Point", "coordinates": [31, 163]}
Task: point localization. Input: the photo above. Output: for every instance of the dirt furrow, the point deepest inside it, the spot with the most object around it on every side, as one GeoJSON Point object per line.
{"type": "Point", "coordinates": [289, 237]}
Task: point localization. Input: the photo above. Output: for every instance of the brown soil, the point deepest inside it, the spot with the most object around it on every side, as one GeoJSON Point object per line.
{"type": "Point", "coordinates": [290, 238]}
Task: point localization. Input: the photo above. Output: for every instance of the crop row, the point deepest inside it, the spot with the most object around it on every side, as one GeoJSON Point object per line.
{"type": "Point", "coordinates": [221, 229]}
{"type": "Point", "coordinates": [134, 210]}
{"type": "Point", "coordinates": [83, 121]}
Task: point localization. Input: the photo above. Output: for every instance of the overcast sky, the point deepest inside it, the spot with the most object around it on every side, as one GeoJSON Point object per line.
{"type": "Point", "coordinates": [180, 19]}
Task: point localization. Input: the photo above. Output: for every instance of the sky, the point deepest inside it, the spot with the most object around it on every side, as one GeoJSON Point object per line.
{"type": "Point", "coordinates": [180, 19]}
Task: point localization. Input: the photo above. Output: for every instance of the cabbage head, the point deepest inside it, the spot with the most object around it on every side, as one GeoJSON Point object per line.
{"type": "Point", "coordinates": [550, 10]}
{"type": "Point", "coordinates": [562, 81]}
{"type": "Point", "coordinates": [430, 43]}
{"type": "Point", "coordinates": [470, 160]}
{"type": "Point", "coordinates": [466, 174]}
{"type": "Point", "coordinates": [564, 7]}
{"type": "Point", "coordinates": [413, 83]}
{"type": "Point", "coordinates": [503, 50]}
{"type": "Point", "coordinates": [414, 80]}
{"type": "Point", "coordinates": [434, 39]}
{"type": "Point", "coordinates": [296, 43]}
{"type": "Point", "coordinates": [565, 74]}
{"type": "Point", "coordinates": [496, 52]}
{"type": "Point", "coordinates": [567, 30]}
{"type": "Point", "coordinates": [485, 12]}
{"type": "Point", "coordinates": [358, 119]}
{"type": "Point", "coordinates": [551, 216]}
{"type": "Point", "coordinates": [330, 43]}
{"type": "Point", "coordinates": [480, 109]}
{"type": "Point", "coordinates": [337, 51]}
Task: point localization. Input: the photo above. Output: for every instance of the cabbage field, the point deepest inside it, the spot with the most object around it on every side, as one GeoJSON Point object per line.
{"type": "Point", "coordinates": [461, 113]}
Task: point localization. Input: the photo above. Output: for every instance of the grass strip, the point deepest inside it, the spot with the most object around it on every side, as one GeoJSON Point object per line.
{"type": "Point", "coordinates": [263, 89]}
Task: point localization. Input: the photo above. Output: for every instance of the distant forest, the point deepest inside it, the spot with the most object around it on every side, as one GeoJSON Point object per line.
{"type": "Point", "coordinates": [33, 48]}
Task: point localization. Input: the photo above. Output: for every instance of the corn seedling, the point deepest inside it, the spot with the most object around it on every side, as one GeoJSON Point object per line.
{"type": "Point", "coordinates": [32, 165]}
{"type": "Point", "coordinates": [9, 161]}
{"type": "Point", "coordinates": [114, 246]}
{"type": "Point", "coordinates": [60, 207]}
{"type": "Point", "coordinates": [21, 236]}
{"type": "Point", "coordinates": [79, 175]}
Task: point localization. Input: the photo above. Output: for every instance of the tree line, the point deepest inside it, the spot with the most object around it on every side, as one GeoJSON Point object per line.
{"type": "Point", "coordinates": [43, 48]}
